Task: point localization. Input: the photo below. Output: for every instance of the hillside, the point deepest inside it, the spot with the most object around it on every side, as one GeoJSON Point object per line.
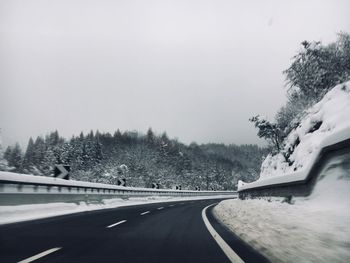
{"type": "Point", "coordinates": [327, 117]}
{"type": "Point", "coordinates": [142, 159]}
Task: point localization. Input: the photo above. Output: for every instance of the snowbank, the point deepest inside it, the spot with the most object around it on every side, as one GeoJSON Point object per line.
{"type": "Point", "coordinates": [325, 123]}
{"type": "Point", "coordinates": [313, 229]}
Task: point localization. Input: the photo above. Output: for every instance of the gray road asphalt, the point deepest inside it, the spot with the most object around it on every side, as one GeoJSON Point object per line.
{"type": "Point", "coordinates": [163, 232]}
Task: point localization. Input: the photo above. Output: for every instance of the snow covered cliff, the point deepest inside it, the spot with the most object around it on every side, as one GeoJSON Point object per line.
{"type": "Point", "coordinates": [325, 123]}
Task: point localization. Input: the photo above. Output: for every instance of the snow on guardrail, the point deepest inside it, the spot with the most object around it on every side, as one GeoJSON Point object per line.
{"type": "Point", "coordinates": [301, 175]}
{"type": "Point", "coordinates": [26, 197]}
{"type": "Point", "coordinates": [15, 178]}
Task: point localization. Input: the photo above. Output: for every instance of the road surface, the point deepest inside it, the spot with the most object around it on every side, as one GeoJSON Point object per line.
{"type": "Point", "coordinates": [162, 232]}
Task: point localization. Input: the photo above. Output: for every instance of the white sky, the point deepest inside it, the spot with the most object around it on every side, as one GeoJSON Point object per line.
{"type": "Point", "coordinates": [197, 69]}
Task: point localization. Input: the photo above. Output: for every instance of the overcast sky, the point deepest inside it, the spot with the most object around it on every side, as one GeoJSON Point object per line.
{"type": "Point", "coordinates": [196, 69]}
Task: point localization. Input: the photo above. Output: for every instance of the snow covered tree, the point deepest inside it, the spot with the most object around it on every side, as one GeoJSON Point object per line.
{"type": "Point", "coordinates": [150, 136]}
{"type": "Point", "coordinates": [3, 162]}
{"type": "Point", "coordinates": [98, 155]}
{"type": "Point", "coordinates": [122, 169]}
{"type": "Point", "coordinates": [15, 158]}
{"type": "Point", "coordinates": [49, 162]}
{"type": "Point", "coordinates": [288, 116]}
{"type": "Point", "coordinates": [317, 68]}
{"type": "Point", "coordinates": [28, 159]}
{"type": "Point", "coordinates": [314, 70]}
{"type": "Point", "coordinates": [39, 153]}
{"type": "Point", "coordinates": [7, 153]}
{"type": "Point", "coordinates": [164, 143]}
{"type": "Point", "coordinates": [53, 139]}
{"type": "Point", "coordinates": [269, 131]}
{"type": "Point", "coordinates": [117, 135]}
{"type": "Point", "coordinates": [65, 153]}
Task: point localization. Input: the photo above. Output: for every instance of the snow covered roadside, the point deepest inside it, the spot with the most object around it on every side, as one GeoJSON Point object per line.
{"type": "Point", "coordinates": [12, 214]}
{"type": "Point", "coordinates": [313, 229]}
{"type": "Point", "coordinates": [288, 233]}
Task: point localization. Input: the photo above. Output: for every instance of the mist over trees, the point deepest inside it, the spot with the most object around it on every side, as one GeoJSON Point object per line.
{"type": "Point", "coordinates": [142, 159]}
{"type": "Point", "coordinates": [315, 69]}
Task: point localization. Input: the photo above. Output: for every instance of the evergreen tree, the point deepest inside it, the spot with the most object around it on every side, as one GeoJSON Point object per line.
{"type": "Point", "coordinates": [98, 156]}
{"type": "Point", "coordinates": [7, 153]}
{"type": "Point", "coordinates": [3, 162]}
{"type": "Point", "coordinates": [150, 136]}
{"type": "Point", "coordinates": [117, 135]}
{"type": "Point", "coordinates": [66, 153]}
{"type": "Point", "coordinates": [39, 154]}
{"type": "Point", "coordinates": [16, 158]}
{"type": "Point", "coordinates": [28, 159]}
{"type": "Point", "coordinates": [49, 162]}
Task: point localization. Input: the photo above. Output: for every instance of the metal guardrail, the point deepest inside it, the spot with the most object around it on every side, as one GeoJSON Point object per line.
{"type": "Point", "coordinates": [302, 187]}
{"type": "Point", "coordinates": [16, 189]}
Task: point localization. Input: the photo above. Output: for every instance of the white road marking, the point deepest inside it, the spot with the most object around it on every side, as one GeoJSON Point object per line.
{"type": "Point", "coordinates": [171, 205]}
{"type": "Point", "coordinates": [144, 213]}
{"type": "Point", "coordinates": [234, 258]}
{"type": "Point", "coordinates": [118, 223]}
{"type": "Point", "coordinates": [182, 203]}
{"type": "Point", "coordinates": [160, 208]}
{"type": "Point", "coordinates": [40, 255]}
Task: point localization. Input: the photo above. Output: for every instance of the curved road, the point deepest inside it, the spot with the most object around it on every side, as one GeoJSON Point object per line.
{"type": "Point", "coordinates": [162, 232]}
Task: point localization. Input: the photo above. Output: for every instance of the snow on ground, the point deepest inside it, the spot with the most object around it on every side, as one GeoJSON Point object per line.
{"type": "Point", "coordinates": [313, 229]}
{"type": "Point", "coordinates": [332, 112]}
{"type": "Point", "coordinates": [11, 214]}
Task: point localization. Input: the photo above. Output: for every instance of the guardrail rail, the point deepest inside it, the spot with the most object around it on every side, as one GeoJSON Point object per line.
{"type": "Point", "coordinates": [16, 189]}
{"type": "Point", "coordinates": [297, 184]}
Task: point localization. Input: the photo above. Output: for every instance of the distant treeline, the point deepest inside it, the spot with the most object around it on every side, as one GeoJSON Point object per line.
{"type": "Point", "coordinates": [144, 158]}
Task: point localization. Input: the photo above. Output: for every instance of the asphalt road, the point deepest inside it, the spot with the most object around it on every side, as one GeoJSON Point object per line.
{"type": "Point", "coordinates": [163, 232]}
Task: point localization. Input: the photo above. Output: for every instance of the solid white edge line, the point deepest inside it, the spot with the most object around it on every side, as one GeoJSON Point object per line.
{"type": "Point", "coordinates": [144, 213]}
{"type": "Point", "coordinates": [118, 223]}
{"type": "Point", "coordinates": [40, 255]}
{"type": "Point", "coordinates": [234, 258]}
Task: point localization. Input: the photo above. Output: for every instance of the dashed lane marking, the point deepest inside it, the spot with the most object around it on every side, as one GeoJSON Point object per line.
{"type": "Point", "coordinates": [40, 255]}
{"type": "Point", "coordinates": [118, 223]}
{"type": "Point", "coordinates": [160, 208]}
{"type": "Point", "coordinates": [144, 213]}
